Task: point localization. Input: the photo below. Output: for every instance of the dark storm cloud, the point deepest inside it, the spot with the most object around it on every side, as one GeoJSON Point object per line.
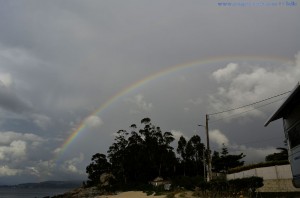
{"type": "Point", "coordinates": [11, 102]}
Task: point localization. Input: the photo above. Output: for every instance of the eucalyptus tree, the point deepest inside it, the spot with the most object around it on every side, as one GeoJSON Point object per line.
{"type": "Point", "coordinates": [117, 154]}
{"type": "Point", "coordinates": [167, 155]}
{"type": "Point", "coordinates": [96, 168]}
{"type": "Point", "coordinates": [194, 153]}
{"type": "Point", "coordinates": [143, 155]}
{"type": "Point", "coordinates": [181, 150]}
{"type": "Point", "coordinates": [191, 153]}
{"type": "Point", "coordinates": [134, 153]}
{"type": "Point", "coordinates": [160, 157]}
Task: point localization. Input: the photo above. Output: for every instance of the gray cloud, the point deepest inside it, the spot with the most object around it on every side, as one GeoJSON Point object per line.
{"type": "Point", "coordinates": [11, 102]}
{"type": "Point", "coordinates": [61, 60]}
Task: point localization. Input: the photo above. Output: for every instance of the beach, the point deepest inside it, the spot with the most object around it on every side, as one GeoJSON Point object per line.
{"type": "Point", "coordinates": [140, 194]}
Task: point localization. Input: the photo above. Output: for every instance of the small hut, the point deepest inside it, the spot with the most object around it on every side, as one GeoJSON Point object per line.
{"type": "Point", "coordinates": [159, 181]}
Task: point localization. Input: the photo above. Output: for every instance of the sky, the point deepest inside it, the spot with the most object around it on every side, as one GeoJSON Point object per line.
{"type": "Point", "coordinates": [73, 73]}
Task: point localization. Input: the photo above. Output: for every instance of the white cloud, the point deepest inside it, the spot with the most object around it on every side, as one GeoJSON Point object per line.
{"type": "Point", "coordinates": [72, 168]}
{"type": "Point", "coordinates": [5, 79]}
{"type": "Point", "coordinates": [7, 171]}
{"type": "Point", "coordinates": [16, 57]}
{"type": "Point", "coordinates": [225, 73]}
{"type": "Point", "coordinates": [9, 136]}
{"type": "Point", "coordinates": [15, 151]}
{"type": "Point", "coordinates": [71, 165]}
{"type": "Point", "coordinates": [40, 120]}
{"type": "Point", "coordinates": [15, 146]}
{"type": "Point", "coordinates": [253, 155]}
{"type": "Point", "coordinates": [186, 109]}
{"type": "Point", "coordinates": [33, 171]}
{"type": "Point", "coordinates": [196, 101]}
{"type": "Point", "coordinates": [218, 137]}
{"type": "Point", "coordinates": [255, 84]}
{"type": "Point", "coordinates": [177, 134]}
{"type": "Point", "coordinates": [139, 101]}
{"type": "Point", "coordinates": [41, 168]}
{"type": "Point", "coordinates": [57, 151]}
{"type": "Point", "coordinates": [93, 121]}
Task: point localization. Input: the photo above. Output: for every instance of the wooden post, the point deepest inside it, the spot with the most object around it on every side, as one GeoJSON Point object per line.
{"type": "Point", "coordinates": [209, 175]}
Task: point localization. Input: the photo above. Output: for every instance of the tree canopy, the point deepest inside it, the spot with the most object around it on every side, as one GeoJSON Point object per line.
{"type": "Point", "coordinates": [140, 155]}
{"type": "Point", "coordinates": [280, 156]}
{"type": "Point", "coordinates": [225, 161]}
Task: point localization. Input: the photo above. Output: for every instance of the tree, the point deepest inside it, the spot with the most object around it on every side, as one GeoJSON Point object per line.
{"type": "Point", "coordinates": [195, 152]}
{"type": "Point", "coordinates": [134, 154]}
{"type": "Point", "coordinates": [143, 155]}
{"type": "Point", "coordinates": [282, 155]}
{"type": "Point", "coordinates": [98, 166]}
{"type": "Point", "coordinates": [167, 156]}
{"type": "Point", "coordinates": [191, 153]}
{"type": "Point", "coordinates": [159, 156]}
{"type": "Point", "coordinates": [181, 150]}
{"type": "Point", "coordinates": [117, 155]}
{"type": "Point", "coordinates": [223, 162]}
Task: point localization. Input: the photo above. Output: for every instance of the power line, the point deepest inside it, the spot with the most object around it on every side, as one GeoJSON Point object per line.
{"type": "Point", "coordinates": [235, 115]}
{"type": "Point", "coordinates": [249, 104]}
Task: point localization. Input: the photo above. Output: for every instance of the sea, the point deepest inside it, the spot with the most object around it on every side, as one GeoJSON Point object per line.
{"type": "Point", "coordinates": [31, 192]}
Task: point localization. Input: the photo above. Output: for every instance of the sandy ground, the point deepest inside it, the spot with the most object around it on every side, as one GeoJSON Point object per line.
{"type": "Point", "coordinates": [139, 194]}
{"type": "Point", "coordinates": [131, 194]}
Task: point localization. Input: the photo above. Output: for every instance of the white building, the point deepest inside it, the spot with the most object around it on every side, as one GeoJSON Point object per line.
{"type": "Point", "coordinates": [289, 111]}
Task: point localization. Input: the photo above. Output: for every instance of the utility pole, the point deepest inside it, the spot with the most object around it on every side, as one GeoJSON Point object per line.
{"type": "Point", "coordinates": [204, 165]}
{"type": "Point", "coordinates": [204, 161]}
{"type": "Point", "coordinates": [209, 175]}
{"type": "Point", "coordinates": [208, 172]}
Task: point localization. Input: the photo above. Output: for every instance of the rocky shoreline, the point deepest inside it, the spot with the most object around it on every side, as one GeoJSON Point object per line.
{"type": "Point", "coordinates": [81, 192]}
{"type": "Point", "coordinates": [94, 192]}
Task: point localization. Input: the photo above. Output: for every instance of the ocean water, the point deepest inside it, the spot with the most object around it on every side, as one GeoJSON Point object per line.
{"type": "Point", "coordinates": [31, 192]}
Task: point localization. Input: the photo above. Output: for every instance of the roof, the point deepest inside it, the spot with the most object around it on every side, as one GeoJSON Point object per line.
{"type": "Point", "coordinates": [158, 179]}
{"type": "Point", "coordinates": [286, 105]}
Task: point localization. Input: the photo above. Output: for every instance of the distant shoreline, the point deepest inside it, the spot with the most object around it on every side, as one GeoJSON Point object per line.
{"type": "Point", "coordinates": [46, 184]}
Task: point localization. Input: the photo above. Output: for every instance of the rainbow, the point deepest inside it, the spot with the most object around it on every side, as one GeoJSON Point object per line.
{"type": "Point", "coordinates": [83, 124]}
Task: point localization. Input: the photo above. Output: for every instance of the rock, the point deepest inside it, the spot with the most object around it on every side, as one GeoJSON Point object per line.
{"type": "Point", "coordinates": [82, 193]}
{"type": "Point", "coordinates": [92, 192]}
{"type": "Point", "coordinates": [105, 179]}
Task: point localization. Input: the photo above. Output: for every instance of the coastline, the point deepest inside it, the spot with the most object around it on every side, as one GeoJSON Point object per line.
{"type": "Point", "coordinates": [140, 194]}
{"type": "Point", "coordinates": [131, 194]}
{"type": "Point", "coordinates": [95, 193]}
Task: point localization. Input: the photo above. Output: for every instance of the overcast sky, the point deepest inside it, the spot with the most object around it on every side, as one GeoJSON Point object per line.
{"type": "Point", "coordinates": [62, 60]}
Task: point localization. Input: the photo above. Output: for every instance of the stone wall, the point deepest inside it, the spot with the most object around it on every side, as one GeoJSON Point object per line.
{"type": "Point", "coordinates": [278, 185]}
{"type": "Point", "coordinates": [276, 178]}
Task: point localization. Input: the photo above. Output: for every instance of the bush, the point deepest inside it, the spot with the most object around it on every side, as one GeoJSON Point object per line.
{"type": "Point", "coordinates": [186, 182]}
{"type": "Point", "coordinates": [246, 184]}
{"type": "Point", "coordinates": [223, 188]}
{"type": "Point", "coordinates": [259, 165]}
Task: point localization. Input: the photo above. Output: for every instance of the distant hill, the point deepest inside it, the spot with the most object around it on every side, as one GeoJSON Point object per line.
{"type": "Point", "coordinates": [48, 184]}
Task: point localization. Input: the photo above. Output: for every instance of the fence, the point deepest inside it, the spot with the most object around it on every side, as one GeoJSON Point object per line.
{"type": "Point", "coordinates": [276, 178]}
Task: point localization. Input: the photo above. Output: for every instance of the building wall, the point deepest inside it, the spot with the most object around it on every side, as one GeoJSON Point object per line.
{"type": "Point", "coordinates": [276, 178]}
